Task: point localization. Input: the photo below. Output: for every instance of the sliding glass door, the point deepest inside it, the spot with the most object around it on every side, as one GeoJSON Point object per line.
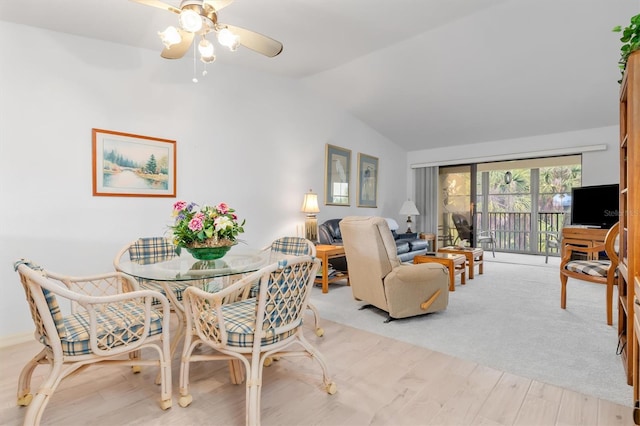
{"type": "Point", "coordinates": [457, 190]}
{"type": "Point", "coordinates": [521, 201]}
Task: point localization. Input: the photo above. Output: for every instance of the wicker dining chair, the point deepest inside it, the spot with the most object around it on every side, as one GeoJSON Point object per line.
{"type": "Point", "coordinates": [253, 329]}
{"type": "Point", "coordinates": [152, 250]}
{"type": "Point", "coordinates": [109, 321]}
{"type": "Point", "coordinates": [292, 246]}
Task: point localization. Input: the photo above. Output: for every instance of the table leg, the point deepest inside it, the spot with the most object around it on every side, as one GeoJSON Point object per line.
{"type": "Point", "coordinates": [452, 276]}
{"type": "Point", "coordinates": [325, 274]}
{"type": "Point", "coordinates": [481, 261]}
{"type": "Point", "coordinates": [471, 266]}
{"type": "Point", "coordinates": [236, 371]}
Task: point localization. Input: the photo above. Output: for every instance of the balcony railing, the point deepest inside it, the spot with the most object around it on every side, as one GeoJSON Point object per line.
{"type": "Point", "coordinates": [516, 233]}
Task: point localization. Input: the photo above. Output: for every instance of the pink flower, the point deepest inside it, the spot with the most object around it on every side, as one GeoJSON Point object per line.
{"type": "Point", "coordinates": [200, 216]}
{"type": "Point", "coordinates": [223, 208]}
{"type": "Point", "coordinates": [179, 205]}
{"type": "Point", "coordinates": [195, 224]}
{"type": "Point", "coordinates": [233, 215]}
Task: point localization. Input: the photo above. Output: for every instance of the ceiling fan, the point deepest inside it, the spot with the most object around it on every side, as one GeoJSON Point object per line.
{"type": "Point", "coordinates": [199, 18]}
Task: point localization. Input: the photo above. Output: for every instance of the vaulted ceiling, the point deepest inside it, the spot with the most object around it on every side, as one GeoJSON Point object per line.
{"type": "Point", "coordinates": [423, 73]}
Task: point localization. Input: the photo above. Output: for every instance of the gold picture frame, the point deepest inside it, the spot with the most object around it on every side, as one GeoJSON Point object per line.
{"type": "Point", "coordinates": [337, 176]}
{"type": "Point", "coordinates": [128, 165]}
{"type": "Point", "coordinates": [368, 171]}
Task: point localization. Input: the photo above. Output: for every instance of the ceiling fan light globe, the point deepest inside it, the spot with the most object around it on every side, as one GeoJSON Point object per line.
{"type": "Point", "coordinates": [227, 38]}
{"type": "Point", "coordinates": [190, 21]}
{"type": "Point", "coordinates": [170, 36]}
{"type": "Point", "coordinates": [205, 47]}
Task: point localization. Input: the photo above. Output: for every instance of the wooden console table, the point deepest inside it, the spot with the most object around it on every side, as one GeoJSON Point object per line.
{"type": "Point", "coordinates": [582, 237]}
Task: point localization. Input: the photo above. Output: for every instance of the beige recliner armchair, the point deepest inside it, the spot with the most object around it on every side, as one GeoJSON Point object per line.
{"type": "Point", "coordinates": [379, 278]}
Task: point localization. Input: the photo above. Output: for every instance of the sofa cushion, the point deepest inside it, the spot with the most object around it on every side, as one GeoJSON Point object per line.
{"type": "Point", "coordinates": [418, 244]}
{"type": "Point", "coordinates": [393, 225]}
{"type": "Point", "coordinates": [403, 246]}
{"type": "Point", "coordinates": [332, 228]}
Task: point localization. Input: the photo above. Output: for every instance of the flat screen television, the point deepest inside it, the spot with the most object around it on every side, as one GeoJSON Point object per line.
{"type": "Point", "coordinates": [596, 206]}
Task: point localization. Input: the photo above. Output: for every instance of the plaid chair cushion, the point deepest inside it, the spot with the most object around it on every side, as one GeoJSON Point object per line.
{"type": "Point", "coordinates": [57, 316]}
{"type": "Point", "coordinates": [152, 248]}
{"type": "Point", "coordinates": [295, 246]}
{"type": "Point", "coordinates": [595, 268]}
{"type": "Point", "coordinates": [125, 316]}
{"type": "Point", "coordinates": [52, 302]}
{"type": "Point", "coordinates": [240, 322]}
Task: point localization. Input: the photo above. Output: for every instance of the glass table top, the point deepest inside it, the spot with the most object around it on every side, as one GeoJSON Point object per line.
{"type": "Point", "coordinates": [184, 267]}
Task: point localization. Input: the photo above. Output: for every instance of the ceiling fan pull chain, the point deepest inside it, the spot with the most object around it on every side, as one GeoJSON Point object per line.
{"type": "Point", "coordinates": [195, 79]}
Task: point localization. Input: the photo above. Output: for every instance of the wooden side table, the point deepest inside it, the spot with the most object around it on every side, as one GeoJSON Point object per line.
{"type": "Point", "coordinates": [432, 238]}
{"type": "Point", "coordinates": [454, 262]}
{"type": "Point", "coordinates": [475, 257]}
{"type": "Point", "coordinates": [325, 252]}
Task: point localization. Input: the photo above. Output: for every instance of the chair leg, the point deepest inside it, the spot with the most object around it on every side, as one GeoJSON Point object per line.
{"type": "Point", "coordinates": [609, 302]}
{"type": "Point", "coordinates": [40, 401]}
{"type": "Point", "coordinates": [24, 382]}
{"type": "Point", "coordinates": [330, 386]}
{"type": "Point", "coordinates": [316, 320]}
{"type": "Point", "coordinates": [254, 386]}
{"type": "Point", "coordinates": [563, 292]}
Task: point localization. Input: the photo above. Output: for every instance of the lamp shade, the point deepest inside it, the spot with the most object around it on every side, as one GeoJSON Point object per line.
{"type": "Point", "coordinates": [409, 208]}
{"type": "Point", "coordinates": [310, 203]}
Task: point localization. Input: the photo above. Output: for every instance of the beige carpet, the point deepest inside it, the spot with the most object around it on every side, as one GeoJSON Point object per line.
{"type": "Point", "coordinates": [510, 319]}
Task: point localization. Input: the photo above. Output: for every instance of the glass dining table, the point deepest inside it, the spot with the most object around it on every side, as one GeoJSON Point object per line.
{"type": "Point", "coordinates": [182, 266]}
{"type": "Point", "coordinates": [181, 269]}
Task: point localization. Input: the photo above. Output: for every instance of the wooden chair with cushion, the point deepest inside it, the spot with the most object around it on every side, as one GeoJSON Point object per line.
{"type": "Point", "coordinates": [251, 330]}
{"type": "Point", "coordinates": [592, 269]}
{"type": "Point", "coordinates": [108, 321]}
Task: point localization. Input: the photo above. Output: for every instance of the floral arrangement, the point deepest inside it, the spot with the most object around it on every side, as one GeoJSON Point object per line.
{"type": "Point", "coordinates": [206, 226]}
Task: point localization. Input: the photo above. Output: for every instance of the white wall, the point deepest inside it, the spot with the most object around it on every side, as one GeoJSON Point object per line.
{"type": "Point", "coordinates": [598, 167]}
{"type": "Point", "coordinates": [252, 140]}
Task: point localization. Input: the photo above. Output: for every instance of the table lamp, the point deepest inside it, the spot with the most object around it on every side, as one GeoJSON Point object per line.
{"type": "Point", "coordinates": [410, 209]}
{"type": "Point", "coordinates": [310, 207]}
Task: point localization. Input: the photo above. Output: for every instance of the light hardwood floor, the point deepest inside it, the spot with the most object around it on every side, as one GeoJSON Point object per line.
{"type": "Point", "coordinates": [380, 382]}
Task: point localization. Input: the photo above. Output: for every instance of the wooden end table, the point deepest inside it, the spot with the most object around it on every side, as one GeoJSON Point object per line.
{"type": "Point", "coordinates": [324, 252]}
{"type": "Point", "coordinates": [454, 262]}
{"type": "Point", "coordinates": [475, 257]}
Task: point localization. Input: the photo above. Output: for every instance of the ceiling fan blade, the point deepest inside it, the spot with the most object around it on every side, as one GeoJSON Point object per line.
{"type": "Point", "coordinates": [177, 51]}
{"type": "Point", "coordinates": [256, 42]}
{"type": "Point", "coordinates": [218, 4]}
{"type": "Point", "coordinates": [159, 4]}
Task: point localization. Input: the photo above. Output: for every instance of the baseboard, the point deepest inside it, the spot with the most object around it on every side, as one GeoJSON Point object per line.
{"type": "Point", "coordinates": [15, 339]}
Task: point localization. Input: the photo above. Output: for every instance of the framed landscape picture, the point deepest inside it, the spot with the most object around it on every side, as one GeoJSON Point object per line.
{"type": "Point", "coordinates": [367, 181]}
{"type": "Point", "coordinates": [337, 176]}
{"type": "Point", "coordinates": [127, 165]}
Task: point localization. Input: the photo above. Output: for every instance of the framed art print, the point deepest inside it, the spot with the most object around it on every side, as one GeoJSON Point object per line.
{"type": "Point", "coordinates": [367, 181]}
{"type": "Point", "coordinates": [337, 176]}
{"type": "Point", "coordinates": [128, 165]}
